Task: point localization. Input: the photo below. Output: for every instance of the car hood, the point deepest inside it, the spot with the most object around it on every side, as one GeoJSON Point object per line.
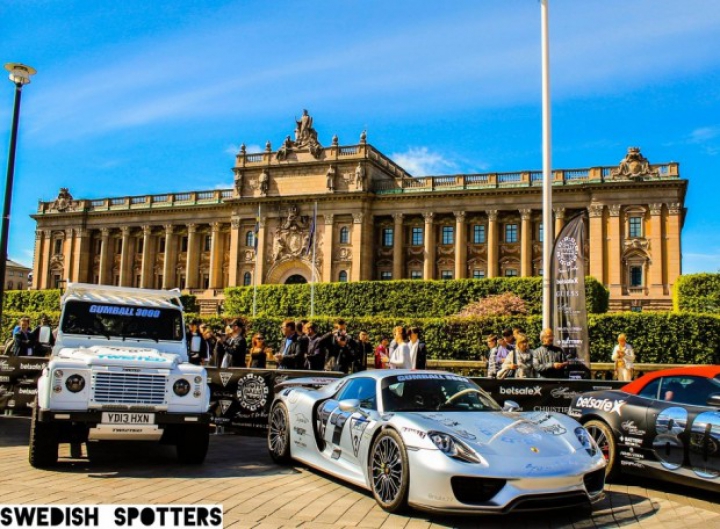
{"type": "Point", "coordinates": [505, 434]}
{"type": "Point", "coordinates": [120, 356]}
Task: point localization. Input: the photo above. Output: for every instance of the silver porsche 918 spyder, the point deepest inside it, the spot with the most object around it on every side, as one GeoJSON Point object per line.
{"type": "Point", "coordinates": [434, 441]}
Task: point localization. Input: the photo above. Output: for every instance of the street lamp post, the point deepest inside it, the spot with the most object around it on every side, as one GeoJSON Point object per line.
{"type": "Point", "coordinates": [19, 75]}
{"type": "Point", "coordinates": [548, 231]}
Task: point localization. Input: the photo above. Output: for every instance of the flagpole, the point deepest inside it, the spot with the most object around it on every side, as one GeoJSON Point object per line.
{"type": "Point", "coordinates": [548, 232]}
{"type": "Point", "coordinates": [255, 240]}
{"type": "Point", "coordinates": [314, 251]}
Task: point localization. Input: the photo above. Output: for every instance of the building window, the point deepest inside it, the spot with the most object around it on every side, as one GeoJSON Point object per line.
{"type": "Point", "coordinates": [344, 235]}
{"type": "Point", "coordinates": [205, 280]}
{"type": "Point", "coordinates": [250, 238]}
{"type": "Point", "coordinates": [479, 234]}
{"type": "Point", "coordinates": [540, 233]}
{"type": "Point", "coordinates": [138, 281]}
{"type": "Point", "coordinates": [416, 236]}
{"type": "Point", "coordinates": [511, 232]}
{"type": "Point", "coordinates": [416, 274]}
{"type": "Point", "coordinates": [98, 246]}
{"type": "Point", "coordinates": [139, 245]}
{"type": "Point", "coordinates": [10, 285]}
{"type": "Point", "coordinates": [184, 244]}
{"type": "Point", "coordinates": [540, 272]}
{"type": "Point", "coordinates": [58, 246]}
{"type": "Point", "coordinates": [159, 281]}
{"type": "Point", "coordinates": [161, 245]}
{"type": "Point", "coordinates": [207, 241]}
{"type": "Point", "coordinates": [118, 246]}
{"type": "Point", "coordinates": [446, 274]}
{"type": "Point", "coordinates": [342, 277]}
{"type": "Point", "coordinates": [511, 272]}
{"type": "Point", "coordinates": [448, 235]}
{"type": "Point", "coordinates": [247, 278]}
{"type": "Point", "coordinates": [636, 279]}
{"type": "Point", "coordinates": [478, 274]}
{"type": "Point", "coordinates": [385, 276]}
{"type": "Point", "coordinates": [636, 227]}
{"type": "Point", "coordinates": [387, 237]}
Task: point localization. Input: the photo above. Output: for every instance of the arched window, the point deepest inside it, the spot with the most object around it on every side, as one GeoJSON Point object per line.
{"type": "Point", "coordinates": [343, 276]}
{"type": "Point", "coordinates": [9, 285]}
{"type": "Point", "coordinates": [247, 278]}
{"type": "Point", "coordinates": [250, 238]}
{"type": "Point", "coordinates": [344, 235]}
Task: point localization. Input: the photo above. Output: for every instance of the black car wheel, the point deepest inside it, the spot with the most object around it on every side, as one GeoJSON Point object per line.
{"type": "Point", "coordinates": [389, 471]}
{"type": "Point", "coordinates": [192, 443]}
{"type": "Point", "coordinates": [605, 440]}
{"type": "Point", "coordinates": [279, 434]}
{"type": "Point", "coordinates": [43, 451]}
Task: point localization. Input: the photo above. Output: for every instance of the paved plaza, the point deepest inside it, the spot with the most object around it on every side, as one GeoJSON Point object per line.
{"type": "Point", "coordinates": [256, 493]}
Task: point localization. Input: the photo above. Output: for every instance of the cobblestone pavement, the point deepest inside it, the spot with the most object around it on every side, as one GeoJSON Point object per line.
{"type": "Point", "coordinates": [256, 493]}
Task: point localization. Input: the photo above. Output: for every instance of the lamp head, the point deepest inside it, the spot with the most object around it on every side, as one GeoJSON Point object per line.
{"type": "Point", "coordinates": [20, 73]}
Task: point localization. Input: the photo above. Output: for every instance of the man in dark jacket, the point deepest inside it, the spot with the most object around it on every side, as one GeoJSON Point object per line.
{"type": "Point", "coordinates": [292, 349]}
{"type": "Point", "coordinates": [363, 349]}
{"type": "Point", "coordinates": [549, 360]}
{"type": "Point", "coordinates": [317, 347]}
{"type": "Point", "coordinates": [24, 340]}
{"type": "Point", "coordinates": [197, 346]}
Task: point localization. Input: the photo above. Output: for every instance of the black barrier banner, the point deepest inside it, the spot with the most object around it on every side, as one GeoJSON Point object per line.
{"type": "Point", "coordinates": [18, 381]}
{"type": "Point", "coordinates": [568, 294]}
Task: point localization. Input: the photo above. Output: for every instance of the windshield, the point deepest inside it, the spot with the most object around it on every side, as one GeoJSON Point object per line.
{"type": "Point", "coordinates": [431, 392]}
{"type": "Point", "coordinates": [111, 320]}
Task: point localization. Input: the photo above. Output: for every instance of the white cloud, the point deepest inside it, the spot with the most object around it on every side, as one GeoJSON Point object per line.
{"type": "Point", "coordinates": [420, 161]}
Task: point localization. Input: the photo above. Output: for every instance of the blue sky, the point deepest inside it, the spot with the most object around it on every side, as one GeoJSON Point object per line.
{"type": "Point", "coordinates": [140, 97]}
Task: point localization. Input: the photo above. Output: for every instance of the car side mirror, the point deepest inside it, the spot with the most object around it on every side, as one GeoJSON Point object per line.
{"type": "Point", "coordinates": [714, 401]}
{"type": "Point", "coordinates": [510, 406]}
{"type": "Point", "coordinates": [351, 406]}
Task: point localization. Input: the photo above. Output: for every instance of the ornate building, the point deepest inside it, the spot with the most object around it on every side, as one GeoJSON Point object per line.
{"type": "Point", "coordinates": [374, 221]}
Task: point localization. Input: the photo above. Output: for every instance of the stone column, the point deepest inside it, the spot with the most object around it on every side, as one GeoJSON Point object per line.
{"type": "Point", "coordinates": [398, 243]}
{"type": "Point", "coordinates": [68, 254]}
{"type": "Point", "coordinates": [148, 258]}
{"type": "Point", "coordinates": [655, 275]}
{"type": "Point", "coordinates": [328, 248]}
{"type": "Point", "coordinates": [169, 280]}
{"type": "Point", "coordinates": [81, 259]}
{"type": "Point", "coordinates": [193, 258]}
{"type": "Point", "coordinates": [460, 245]}
{"type": "Point", "coordinates": [615, 241]}
{"type": "Point", "coordinates": [234, 249]}
{"type": "Point", "coordinates": [526, 243]}
{"type": "Point", "coordinates": [259, 271]}
{"type": "Point", "coordinates": [559, 223]}
{"type": "Point", "coordinates": [673, 255]}
{"type": "Point", "coordinates": [105, 258]}
{"type": "Point", "coordinates": [429, 264]}
{"type": "Point", "coordinates": [492, 244]}
{"type": "Point", "coordinates": [126, 259]}
{"type": "Point", "coordinates": [356, 240]}
{"type": "Point", "coordinates": [597, 243]}
{"type": "Point", "coordinates": [216, 256]}
{"type": "Point", "coordinates": [38, 262]}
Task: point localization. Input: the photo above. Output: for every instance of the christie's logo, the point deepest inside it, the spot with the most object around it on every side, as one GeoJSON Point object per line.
{"type": "Point", "coordinates": [600, 404]}
{"type": "Point", "coordinates": [536, 391]}
{"type": "Point", "coordinates": [629, 427]}
{"type": "Point", "coordinates": [563, 393]}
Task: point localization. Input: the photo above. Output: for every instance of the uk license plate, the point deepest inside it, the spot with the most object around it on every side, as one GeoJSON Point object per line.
{"type": "Point", "coordinates": [127, 418]}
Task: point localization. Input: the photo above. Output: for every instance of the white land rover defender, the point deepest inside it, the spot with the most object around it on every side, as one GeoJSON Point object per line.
{"type": "Point", "coordinates": [119, 371]}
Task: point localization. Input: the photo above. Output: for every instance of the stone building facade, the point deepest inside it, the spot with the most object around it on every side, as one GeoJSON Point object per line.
{"type": "Point", "coordinates": [374, 221]}
{"type": "Point", "coordinates": [17, 276]}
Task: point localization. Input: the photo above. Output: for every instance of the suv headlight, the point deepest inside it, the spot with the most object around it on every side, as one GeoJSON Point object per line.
{"type": "Point", "coordinates": [181, 387]}
{"type": "Point", "coordinates": [453, 448]}
{"type": "Point", "coordinates": [586, 440]}
{"type": "Point", "coordinates": [75, 383]}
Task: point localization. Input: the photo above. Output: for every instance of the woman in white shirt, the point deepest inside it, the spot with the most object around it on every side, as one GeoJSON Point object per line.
{"type": "Point", "coordinates": [400, 357]}
{"type": "Point", "coordinates": [623, 356]}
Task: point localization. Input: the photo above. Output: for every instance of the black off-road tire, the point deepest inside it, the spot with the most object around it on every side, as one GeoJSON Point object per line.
{"type": "Point", "coordinates": [192, 443]}
{"type": "Point", "coordinates": [605, 439]}
{"type": "Point", "coordinates": [44, 443]}
{"type": "Point", "coordinates": [279, 434]}
{"type": "Point", "coordinates": [390, 472]}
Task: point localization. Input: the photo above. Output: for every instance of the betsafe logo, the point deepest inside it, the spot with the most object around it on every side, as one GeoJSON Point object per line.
{"type": "Point", "coordinates": [536, 391]}
{"type": "Point", "coordinates": [608, 405]}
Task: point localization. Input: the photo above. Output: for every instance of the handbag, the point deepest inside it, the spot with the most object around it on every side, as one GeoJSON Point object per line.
{"type": "Point", "coordinates": [506, 372]}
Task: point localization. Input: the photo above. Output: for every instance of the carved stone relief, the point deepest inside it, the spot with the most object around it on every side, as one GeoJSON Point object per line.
{"type": "Point", "coordinates": [633, 167]}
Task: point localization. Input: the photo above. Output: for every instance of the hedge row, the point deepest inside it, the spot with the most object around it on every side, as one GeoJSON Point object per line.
{"type": "Point", "coordinates": [697, 293]}
{"type": "Point", "coordinates": [658, 337]}
{"type": "Point", "coordinates": [49, 301]}
{"type": "Point", "coordinates": [403, 298]}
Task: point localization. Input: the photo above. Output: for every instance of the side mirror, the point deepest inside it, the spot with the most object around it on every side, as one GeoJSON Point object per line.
{"type": "Point", "coordinates": [44, 335]}
{"type": "Point", "coordinates": [510, 406]}
{"type": "Point", "coordinates": [714, 401]}
{"type": "Point", "coordinates": [352, 406]}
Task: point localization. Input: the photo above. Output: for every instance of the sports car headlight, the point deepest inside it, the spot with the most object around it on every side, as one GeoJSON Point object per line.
{"type": "Point", "coordinates": [453, 448]}
{"type": "Point", "coordinates": [181, 387]}
{"type": "Point", "coordinates": [586, 440]}
{"type": "Point", "coordinates": [75, 383]}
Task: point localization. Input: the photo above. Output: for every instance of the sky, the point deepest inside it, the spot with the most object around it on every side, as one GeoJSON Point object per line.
{"type": "Point", "coordinates": [149, 97]}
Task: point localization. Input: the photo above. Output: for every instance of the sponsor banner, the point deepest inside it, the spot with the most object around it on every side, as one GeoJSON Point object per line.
{"type": "Point", "coordinates": [18, 381]}
{"type": "Point", "coordinates": [568, 295]}
{"type": "Point", "coordinates": [111, 516]}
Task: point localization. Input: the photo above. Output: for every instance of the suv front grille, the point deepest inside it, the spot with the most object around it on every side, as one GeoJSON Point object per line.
{"type": "Point", "coordinates": [129, 388]}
